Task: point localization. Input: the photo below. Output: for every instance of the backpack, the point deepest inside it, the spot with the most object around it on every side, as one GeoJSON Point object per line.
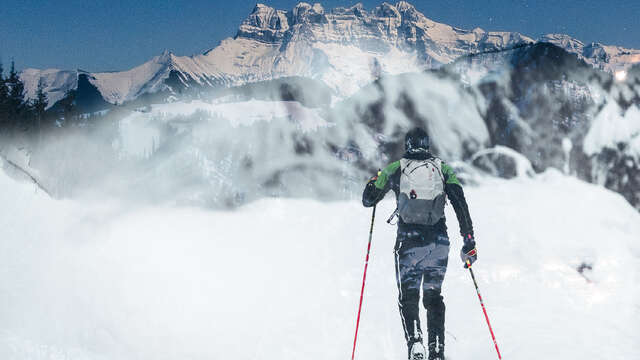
{"type": "Point", "coordinates": [422, 198]}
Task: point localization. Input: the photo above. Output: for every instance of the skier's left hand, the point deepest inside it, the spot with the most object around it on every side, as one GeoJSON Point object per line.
{"type": "Point", "coordinates": [469, 252]}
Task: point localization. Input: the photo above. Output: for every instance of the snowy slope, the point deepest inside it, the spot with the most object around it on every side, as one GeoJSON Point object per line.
{"type": "Point", "coordinates": [139, 134]}
{"type": "Point", "coordinates": [118, 87]}
{"type": "Point", "coordinates": [56, 83]}
{"type": "Point", "coordinates": [613, 126]}
{"type": "Point", "coordinates": [280, 279]}
{"type": "Point", "coordinates": [605, 57]}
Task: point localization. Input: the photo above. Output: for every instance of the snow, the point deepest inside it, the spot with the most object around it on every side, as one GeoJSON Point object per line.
{"type": "Point", "coordinates": [140, 135]}
{"type": "Point", "coordinates": [606, 57]}
{"type": "Point", "coordinates": [56, 83]}
{"type": "Point", "coordinates": [613, 126]}
{"type": "Point", "coordinates": [567, 145]}
{"type": "Point", "coordinates": [246, 112]}
{"type": "Point", "coordinates": [450, 114]}
{"type": "Point", "coordinates": [118, 87]}
{"type": "Point", "coordinates": [355, 66]}
{"type": "Point", "coordinates": [265, 19]}
{"type": "Point", "coordinates": [523, 166]}
{"type": "Point", "coordinates": [280, 279]}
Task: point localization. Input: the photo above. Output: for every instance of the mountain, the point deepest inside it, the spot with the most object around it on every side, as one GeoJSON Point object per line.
{"type": "Point", "coordinates": [544, 104]}
{"type": "Point", "coordinates": [604, 57]}
{"type": "Point", "coordinates": [57, 83]}
{"type": "Point", "coordinates": [341, 47]}
{"type": "Point", "coordinates": [534, 104]}
{"type": "Point", "coordinates": [494, 103]}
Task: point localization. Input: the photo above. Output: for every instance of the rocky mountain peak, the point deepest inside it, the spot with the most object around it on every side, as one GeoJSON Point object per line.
{"type": "Point", "coordinates": [264, 23]}
{"type": "Point", "coordinates": [356, 10]}
{"type": "Point", "coordinates": [406, 8]}
{"type": "Point", "coordinates": [307, 13]}
{"type": "Point", "coordinates": [386, 10]}
{"type": "Point", "coordinates": [564, 41]}
{"type": "Point", "coordinates": [605, 57]}
{"type": "Point", "coordinates": [166, 57]}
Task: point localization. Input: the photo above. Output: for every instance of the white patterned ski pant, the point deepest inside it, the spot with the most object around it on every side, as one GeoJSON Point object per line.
{"type": "Point", "coordinates": [421, 262]}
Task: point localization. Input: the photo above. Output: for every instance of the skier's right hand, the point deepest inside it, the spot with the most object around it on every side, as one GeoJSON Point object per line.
{"type": "Point", "coordinates": [371, 193]}
{"type": "Point", "coordinates": [374, 178]}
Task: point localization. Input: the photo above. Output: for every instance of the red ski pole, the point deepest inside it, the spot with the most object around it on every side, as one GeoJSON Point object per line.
{"type": "Point", "coordinates": [364, 278]}
{"type": "Point", "coordinates": [483, 309]}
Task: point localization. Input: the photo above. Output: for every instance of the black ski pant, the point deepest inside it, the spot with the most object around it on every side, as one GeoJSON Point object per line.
{"type": "Point", "coordinates": [421, 262]}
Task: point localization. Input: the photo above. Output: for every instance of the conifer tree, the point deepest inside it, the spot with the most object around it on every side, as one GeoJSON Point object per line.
{"type": "Point", "coordinates": [16, 104]}
{"type": "Point", "coordinates": [68, 104]}
{"type": "Point", "coordinates": [4, 97]}
{"type": "Point", "coordinates": [39, 105]}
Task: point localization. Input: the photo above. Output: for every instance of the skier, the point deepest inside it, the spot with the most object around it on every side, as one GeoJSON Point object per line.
{"type": "Point", "coordinates": [421, 183]}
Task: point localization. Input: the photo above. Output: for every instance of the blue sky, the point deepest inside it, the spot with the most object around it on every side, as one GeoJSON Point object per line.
{"type": "Point", "coordinates": [116, 35]}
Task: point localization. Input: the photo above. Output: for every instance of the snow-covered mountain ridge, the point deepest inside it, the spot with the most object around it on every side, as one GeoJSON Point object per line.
{"type": "Point", "coordinates": [337, 46]}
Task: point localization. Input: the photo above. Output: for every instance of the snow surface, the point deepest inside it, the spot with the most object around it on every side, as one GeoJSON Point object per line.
{"type": "Point", "coordinates": [605, 57]}
{"type": "Point", "coordinates": [245, 112]}
{"type": "Point", "coordinates": [118, 87]}
{"type": "Point", "coordinates": [523, 166]}
{"type": "Point", "coordinates": [56, 83]}
{"type": "Point", "coordinates": [613, 126]}
{"type": "Point", "coordinates": [139, 131]}
{"type": "Point", "coordinates": [280, 279]}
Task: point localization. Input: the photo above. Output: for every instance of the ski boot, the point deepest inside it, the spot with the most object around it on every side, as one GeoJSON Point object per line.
{"type": "Point", "coordinates": [436, 351]}
{"type": "Point", "coordinates": [417, 351]}
{"type": "Point", "coordinates": [435, 323]}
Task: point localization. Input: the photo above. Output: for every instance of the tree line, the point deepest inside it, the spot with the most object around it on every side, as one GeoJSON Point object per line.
{"type": "Point", "coordinates": [19, 113]}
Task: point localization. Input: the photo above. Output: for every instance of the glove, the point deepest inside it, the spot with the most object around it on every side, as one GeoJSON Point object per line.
{"type": "Point", "coordinates": [469, 251]}
{"type": "Point", "coordinates": [374, 178]}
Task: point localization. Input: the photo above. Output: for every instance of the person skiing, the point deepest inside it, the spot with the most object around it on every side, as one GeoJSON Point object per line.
{"type": "Point", "coordinates": [422, 182]}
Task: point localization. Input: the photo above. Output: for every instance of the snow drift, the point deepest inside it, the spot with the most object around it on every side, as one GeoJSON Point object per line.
{"type": "Point", "coordinates": [280, 279]}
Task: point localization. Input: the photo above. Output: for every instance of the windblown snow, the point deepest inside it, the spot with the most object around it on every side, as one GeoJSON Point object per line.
{"type": "Point", "coordinates": [613, 127]}
{"type": "Point", "coordinates": [139, 132]}
{"type": "Point", "coordinates": [280, 279]}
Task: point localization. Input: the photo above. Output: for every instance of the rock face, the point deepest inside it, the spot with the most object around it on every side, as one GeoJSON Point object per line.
{"type": "Point", "coordinates": [537, 100]}
{"type": "Point", "coordinates": [265, 24]}
{"type": "Point", "coordinates": [558, 111]}
{"type": "Point", "coordinates": [336, 46]}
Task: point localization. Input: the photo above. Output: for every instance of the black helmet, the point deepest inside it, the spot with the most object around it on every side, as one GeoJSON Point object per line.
{"type": "Point", "coordinates": [416, 140]}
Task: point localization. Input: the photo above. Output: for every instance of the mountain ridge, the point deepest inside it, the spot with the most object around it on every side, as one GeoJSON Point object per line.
{"type": "Point", "coordinates": [337, 47]}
